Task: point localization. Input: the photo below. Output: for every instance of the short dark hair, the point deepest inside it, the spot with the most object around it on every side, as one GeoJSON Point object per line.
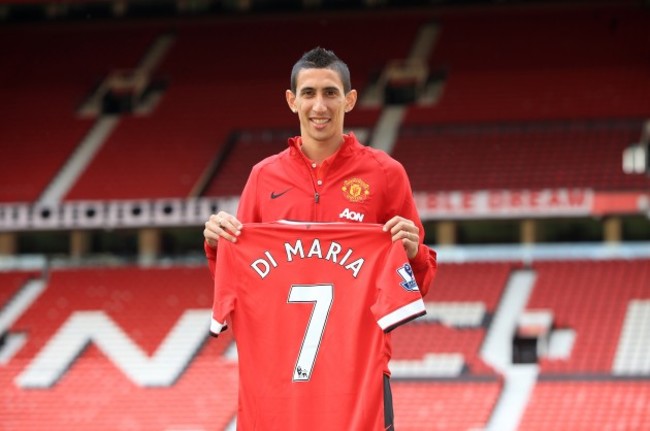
{"type": "Point", "coordinates": [320, 58]}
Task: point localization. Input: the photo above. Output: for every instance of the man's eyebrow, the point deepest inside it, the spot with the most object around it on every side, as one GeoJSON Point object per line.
{"type": "Point", "coordinates": [311, 89]}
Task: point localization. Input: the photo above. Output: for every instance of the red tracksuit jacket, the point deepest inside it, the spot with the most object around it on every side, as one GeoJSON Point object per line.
{"type": "Point", "coordinates": [357, 184]}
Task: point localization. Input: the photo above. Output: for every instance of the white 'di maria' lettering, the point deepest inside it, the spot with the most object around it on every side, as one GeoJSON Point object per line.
{"type": "Point", "coordinates": [315, 250]}
{"type": "Point", "coordinates": [263, 266]}
{"type": "Point", "coordinates": [332, 252]}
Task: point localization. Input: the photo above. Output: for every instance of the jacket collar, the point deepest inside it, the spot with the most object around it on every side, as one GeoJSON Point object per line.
{"type": "Point", "coordinates": [346, 148]}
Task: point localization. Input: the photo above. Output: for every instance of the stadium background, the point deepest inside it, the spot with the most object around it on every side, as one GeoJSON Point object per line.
{"type": "Point", "coordinates": [124, 124]}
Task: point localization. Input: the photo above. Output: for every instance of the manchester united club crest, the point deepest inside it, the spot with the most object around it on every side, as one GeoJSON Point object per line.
{"type": "Point", "coordinates": [355, 190]}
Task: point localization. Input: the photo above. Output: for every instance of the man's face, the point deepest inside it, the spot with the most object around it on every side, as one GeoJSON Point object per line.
{"type": "Point", "coordinates": [321, 104]}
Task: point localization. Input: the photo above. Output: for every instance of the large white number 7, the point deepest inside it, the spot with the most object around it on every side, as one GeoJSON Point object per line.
{"type": "Point", "coordinates": [322, 296]}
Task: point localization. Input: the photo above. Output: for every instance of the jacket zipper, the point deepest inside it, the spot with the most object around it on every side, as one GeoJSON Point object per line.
{"type": "Point", "coordinates": [311, 176]}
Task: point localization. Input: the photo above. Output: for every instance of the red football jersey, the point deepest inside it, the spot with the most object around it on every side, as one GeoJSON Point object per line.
{"type": "Point", "coordinates": [311, 305]}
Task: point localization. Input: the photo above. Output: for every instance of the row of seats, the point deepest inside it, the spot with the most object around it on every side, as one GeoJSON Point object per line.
{"type": "Point", "coordinates": [537, 64]}
{"type": "Point", "coordinates": [244, 153]}
{"type": "Point", "coordinates": [587, 406]}
{"type": "Point", "coordinates": [532, 155]}
{"type": "Point", "coordinates": [444, 406]}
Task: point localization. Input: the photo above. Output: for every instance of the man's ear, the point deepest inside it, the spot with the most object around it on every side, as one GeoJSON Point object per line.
{"type": "Point", "coordinates": [350, 100]}
{"type": "Point", "coordinates": [291, 100]}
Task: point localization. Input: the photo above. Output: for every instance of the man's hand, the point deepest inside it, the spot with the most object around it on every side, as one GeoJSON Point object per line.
{"type": "Point", "coordinates": [221, 225]}
{"type": "Point", "coordinates": [406, 231]}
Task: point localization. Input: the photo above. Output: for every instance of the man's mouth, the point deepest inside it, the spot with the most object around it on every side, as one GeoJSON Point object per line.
{"type": "Point", "coordinates": [320, 121]}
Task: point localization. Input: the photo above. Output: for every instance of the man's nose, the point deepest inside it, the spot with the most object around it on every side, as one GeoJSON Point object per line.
{"type": "Point", "coordinates": [319, 104]}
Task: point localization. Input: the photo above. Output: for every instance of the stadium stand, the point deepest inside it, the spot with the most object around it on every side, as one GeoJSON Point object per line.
{"type": "Point", "coordinates": [447, 330]}
{"type": "Point", "coordinates": [593, 64]}
{"type": "Point", "coordinates": [551, 109]}
{"type": "Point", "coordinates": [53, 68]}
{"type": "Point", "coordinates": [158, 165]}
{"type": "Point", "coordinates": [578, 291]}
{"type": "Point", "coordinates": [529, 98]}
{"type": "Point", "coordinates": [223, 79]}
{"type": "Point", "coordinates": [188, 114]}
{"type": "Point", "coordinates": [140, 307]}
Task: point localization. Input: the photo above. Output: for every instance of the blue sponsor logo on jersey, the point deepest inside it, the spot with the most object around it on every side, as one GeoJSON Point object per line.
{"type": "Point", "coordinates": [406, 272]}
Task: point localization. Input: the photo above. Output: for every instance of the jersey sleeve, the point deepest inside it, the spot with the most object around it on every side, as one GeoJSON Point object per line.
{"type": "Point", "coordinates": [211, 256]}
{"type": "Point", "coordinates": [399, 299]}
{"type": "Point", "coordinates": [224, 291]}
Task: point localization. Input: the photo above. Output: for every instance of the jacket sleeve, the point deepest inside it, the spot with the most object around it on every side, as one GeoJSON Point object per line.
{"type": "Point", "coordinates": [246, 213]}
{"type": "Point", "coordinates": [399, 191]}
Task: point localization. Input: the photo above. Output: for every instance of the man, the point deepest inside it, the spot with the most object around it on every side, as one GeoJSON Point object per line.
{"type": "Point", "coordinates": [326, 175]}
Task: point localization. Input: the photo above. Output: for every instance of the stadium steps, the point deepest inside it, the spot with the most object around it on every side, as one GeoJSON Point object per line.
{"type": "Point", "coordinates": [78, 161]}
{"type": "Point", "coordinates": [519, 380]}
{"type": "Point", "coordinates": [18, 292]}
{"type": "Point", "coordinates": [633, 351]}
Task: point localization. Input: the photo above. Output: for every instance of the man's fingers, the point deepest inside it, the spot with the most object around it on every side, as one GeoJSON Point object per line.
{"type": "Point", "coordinates": [399, 224]}
{"type": "Point", "coordinates": [221, 225]}
{"type": "Point", "coordinates": [404, 230]}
